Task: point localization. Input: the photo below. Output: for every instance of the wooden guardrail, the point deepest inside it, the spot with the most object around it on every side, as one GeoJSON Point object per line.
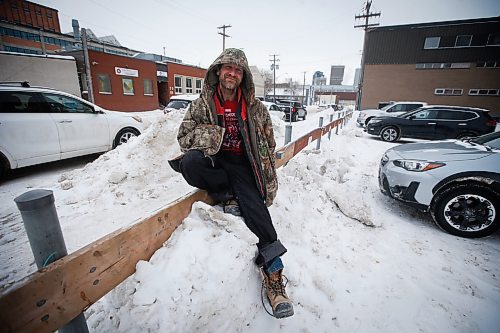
{"type": "Point", "coordinates": [51, 297]}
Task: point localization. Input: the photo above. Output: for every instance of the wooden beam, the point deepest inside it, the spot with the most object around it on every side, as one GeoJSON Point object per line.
{"type": "Point", "coordinates": [56, 294]}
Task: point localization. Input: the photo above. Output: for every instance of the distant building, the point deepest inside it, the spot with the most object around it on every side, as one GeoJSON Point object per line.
{"type": "Point", "coordinates": [452, 62]}
{"type": "Point", "coordinates": [132, 84]}
{"type": "Point", "coordinates": [30, 14]}
{"type": "Point", "coordinates": [337, 75]}
{"type": "Point", "coordinates": [318, 78]}
{"type": "Point", "coordinates": [357, 77]}
{"type": "Point", "coordinates": [122, 79]}
{"type": "Point", "coordinates": [258, 80]}
{"type": "Point", "coordinates": [344, 95]}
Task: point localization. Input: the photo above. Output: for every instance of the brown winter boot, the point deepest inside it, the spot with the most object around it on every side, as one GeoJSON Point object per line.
{"type": "Point", "coordinates": [275, 291]}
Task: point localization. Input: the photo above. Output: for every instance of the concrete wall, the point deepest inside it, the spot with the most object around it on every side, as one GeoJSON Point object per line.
{"type": "Point", "coordinates": [47, 71]}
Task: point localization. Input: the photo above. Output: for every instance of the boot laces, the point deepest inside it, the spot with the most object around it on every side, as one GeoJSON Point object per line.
{"type": "Point", "coordinates": [275, 286]}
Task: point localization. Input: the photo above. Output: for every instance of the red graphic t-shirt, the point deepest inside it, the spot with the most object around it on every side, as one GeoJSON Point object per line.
{"type": "Point", "coordinates": [232, 141]}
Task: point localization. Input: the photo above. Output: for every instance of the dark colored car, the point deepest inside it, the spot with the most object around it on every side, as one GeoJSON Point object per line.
{"type": "Point", "coordinates": [434, 122]}
{"type": "Point", "coordinates": [292, 109]}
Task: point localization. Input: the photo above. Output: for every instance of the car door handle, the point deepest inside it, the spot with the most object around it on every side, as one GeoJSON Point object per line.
{"type": "Point", "coordinates": [65, 121]}
{"type": "Point", "coordinates": [431, 123]}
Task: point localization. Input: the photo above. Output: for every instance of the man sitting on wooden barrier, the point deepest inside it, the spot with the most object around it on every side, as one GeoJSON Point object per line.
{"type": "Point", "coordinates": [228, 143]}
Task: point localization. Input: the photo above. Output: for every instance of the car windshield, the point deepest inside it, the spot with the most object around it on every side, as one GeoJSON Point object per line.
{"type": "Point", "coordinates": [177, 104]}
{"type": "Point", "coordinates": [385, 108]}
{"type": "Point", "coordinates": [491, 140]}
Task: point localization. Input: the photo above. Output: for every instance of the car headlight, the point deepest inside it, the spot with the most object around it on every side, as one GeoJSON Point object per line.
{"type": "Point", "coordinates": [374, 121]}
{"type": "Point", "coordinates": [137, 118]}
{"type": "Point", "coordinates": [418, 166]}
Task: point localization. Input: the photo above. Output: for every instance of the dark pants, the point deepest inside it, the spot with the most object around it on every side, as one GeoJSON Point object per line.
{"type": "Point", "coordinates": [225, 176]}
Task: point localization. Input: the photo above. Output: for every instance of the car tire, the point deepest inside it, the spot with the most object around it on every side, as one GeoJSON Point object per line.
{"type": "Point", "coordinates": [389, 134]}
{"type": "Point", "coordinates": [469, 210]}
{"type": "Point", "coordinates": [304, 117]}
{"type": "Point", "coordinates": [124, 135]}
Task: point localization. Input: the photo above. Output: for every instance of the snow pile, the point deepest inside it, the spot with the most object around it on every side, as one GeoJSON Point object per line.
{"type": "Point", "coordinates": [356, 261]}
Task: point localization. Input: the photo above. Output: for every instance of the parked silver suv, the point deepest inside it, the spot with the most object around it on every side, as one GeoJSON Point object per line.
{"type": "Point", "coordinates": [457, 181]}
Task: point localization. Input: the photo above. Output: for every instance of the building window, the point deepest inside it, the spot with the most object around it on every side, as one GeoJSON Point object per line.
{"type": "Point", "coordinates": [460, 65]}
{"type": "Point", "coordinates": [488, 64]}
{"type": "Point", "coordinates": [189, 85]}
{"type": "Point", "coordinates": [443, 65]}
{"type": "Point", "coordinates": [431, 42]}
{"type": "Point", "coordinates": [448, 91]}
{"type": "Point", "coordinates": [484, 92]}
{"type": "Point", "coordinates": [148, 87]}
{"type": "Point", "coordinates": [178, 84]}
{"type": "Point", "coordinates": [198, 86]}
{"type": "Point", "coordinates": [463, 40]}
{"type": "Point", "coordinates": [104, 83]}
{"type": "Point", "coordinates": [494, 39]}
{"type": "Point", "coordinates": [128, 86]}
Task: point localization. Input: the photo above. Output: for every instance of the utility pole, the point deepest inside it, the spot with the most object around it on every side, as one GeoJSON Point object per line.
{"type": "Point", "coordinates": [274, 67]}
{"type": "Point", "coordinates": [88, 73]}
{"type": "Point", "coordinates": [223, 33]}
{"type": "Point", "coordinates": [303, 88]}
{"type": "Point", "coordinates": [366, 15]}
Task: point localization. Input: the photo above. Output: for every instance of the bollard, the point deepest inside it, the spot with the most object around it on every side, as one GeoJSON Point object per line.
{"type": "Point", "coordinates": [318, 144]}
{"type": "Point", "coordinates": [288, 134]}
{"type": "Point", "coordinates": [330, 130]}
{"type": "Point", "coordinates": [46, 239]}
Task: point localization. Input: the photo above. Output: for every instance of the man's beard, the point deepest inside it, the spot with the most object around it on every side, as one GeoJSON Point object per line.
{"type": "Point", "coordinates": [230, 85]}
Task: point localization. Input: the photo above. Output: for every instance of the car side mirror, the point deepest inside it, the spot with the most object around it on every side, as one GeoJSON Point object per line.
{"type": "Point", "coordinates": [411, 117]}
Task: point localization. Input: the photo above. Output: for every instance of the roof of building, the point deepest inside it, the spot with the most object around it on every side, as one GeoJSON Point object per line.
{"type": "Point", "coordinates": [437, 24]}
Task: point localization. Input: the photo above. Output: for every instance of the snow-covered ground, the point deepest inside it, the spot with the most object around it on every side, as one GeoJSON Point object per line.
{"type": "Point", "coordinates": [357, 261]}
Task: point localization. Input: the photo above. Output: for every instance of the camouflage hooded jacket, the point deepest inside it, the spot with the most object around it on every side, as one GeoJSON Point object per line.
{"type": "Point", "coordinates": [199, 129]}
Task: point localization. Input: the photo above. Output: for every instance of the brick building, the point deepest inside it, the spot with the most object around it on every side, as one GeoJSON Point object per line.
{"type": "Point", "coordinates": [30, 14]}
{"type": "Point", "coordinates": [453, 63]}
{"type": "Point", "coordinates": [122, 79]}
{"type": "Point", "coordinates": [132, 84]}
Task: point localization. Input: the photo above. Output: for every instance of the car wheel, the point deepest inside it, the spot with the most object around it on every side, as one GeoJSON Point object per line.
{"type": "Point", "coordinates": [304, 117]}
{"type": "Point", "coordinates": [389, 134]}
{"type": "Point", "coordinates": [467, 210]}
{"type": "Point", "coordinates": [124, 135]}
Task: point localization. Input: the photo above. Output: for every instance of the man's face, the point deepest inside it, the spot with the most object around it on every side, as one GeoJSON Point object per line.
{"type": "Point", "coordinates": [230, 76]}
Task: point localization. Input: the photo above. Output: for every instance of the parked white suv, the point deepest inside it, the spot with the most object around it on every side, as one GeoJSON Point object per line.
{"type": "Point", "coordinates": [39, 125]}
{"type": "Point", "coordinates": [391, 110]}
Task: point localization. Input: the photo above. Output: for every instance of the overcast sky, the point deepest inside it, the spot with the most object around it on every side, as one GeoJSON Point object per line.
{"type": "Point", "coordinates": [307, 35]}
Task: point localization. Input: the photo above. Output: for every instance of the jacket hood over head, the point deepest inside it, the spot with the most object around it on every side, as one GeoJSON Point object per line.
{"type": "Point", "coordinates": [229, 56]}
